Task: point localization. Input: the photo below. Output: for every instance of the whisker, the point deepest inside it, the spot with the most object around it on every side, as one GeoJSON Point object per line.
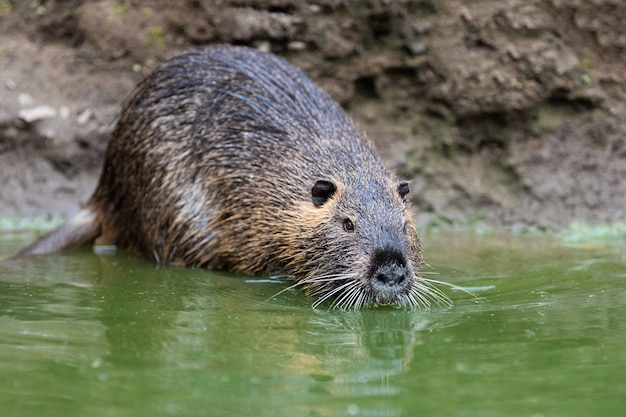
{"type": "Point", "coordinates": [281, 277]}
{"type": "Point", "coordinates": [431, 292]}
{"type": "Point", "coordinates": [339, 301]}
{"type": "Point", "coordinates": [349, 294]}
{"type": "Point", "coordinates": [407, 302]}
{"type": "Point", "coordinates": [452, 286]}
{"type": "Point", "coordinates": [325, 296]}
{"type": "Point", "coordinates": [329, 278]}
{"type": "Point", "coordinates": [330, 294]}
{"type": "Point", "coordinates": [419, 295]}
{"type": "Point", "coordinates": [348, 298]}
{"type": "Point", "coordinates": [292, 286]}
{"type": "Point", "coordinates": [413, 300]}
{"type": "Point", "coordinates": [315, 280]}
{"type": "Point", "coordinates": [435, 294]}
{"type": "Point", "coordinates": [315, 287]}
{"type": "Point", "coordinates": [358, 302]}
{"type": "Point", "coordinates": [358, 298]}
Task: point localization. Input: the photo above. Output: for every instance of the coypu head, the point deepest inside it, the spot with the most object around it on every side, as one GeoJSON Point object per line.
{"type": "Point", "coordinates": [361, 248]}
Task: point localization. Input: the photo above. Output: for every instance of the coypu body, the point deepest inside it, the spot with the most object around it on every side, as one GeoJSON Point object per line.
{"type": "Point", "coordinates": [229, 158]}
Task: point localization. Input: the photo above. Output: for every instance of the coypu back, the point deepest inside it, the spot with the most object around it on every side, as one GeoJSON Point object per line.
{"type": "Point", "coordinates": [213, 150]}
{"type": "Point", "coordinates": [229, 158]}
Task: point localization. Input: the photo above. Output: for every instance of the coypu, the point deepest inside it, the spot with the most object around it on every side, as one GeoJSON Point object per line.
{"type": "Point", "coordinates": [229, 158]}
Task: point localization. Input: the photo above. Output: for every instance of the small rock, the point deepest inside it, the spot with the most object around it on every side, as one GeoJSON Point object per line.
{"type": "Point", "coordinates": [296, 46]}
{"type": "Point", "coordinates": [417, 47]}
{"type": "Point", "coordinates": [34, 114]}
{"type": "Point", "coordinates": [64, 112]}
{"type": "Point", "coordinates": [25, 100]}
{"type": "Point", "coordinates": [84, 117]}
{"type": "Point", "coordinates": [264, 46]}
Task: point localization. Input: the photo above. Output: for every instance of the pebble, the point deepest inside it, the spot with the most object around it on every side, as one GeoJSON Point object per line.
{"type": "Point", "coordinates": [84, 117]}
{"type": "Point", "coordinates": [417, 47]}
{"type": "Point", "coordinates": [296, 46]}
{"type": "Point", "coordinates": [25, 100]}
{"type": "Point", "coordinates": [265, 46]}
{"type": "Point", "coordinates": [34, 114]}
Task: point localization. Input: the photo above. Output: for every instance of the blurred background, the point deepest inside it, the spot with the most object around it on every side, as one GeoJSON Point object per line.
{"type": "Point", "coordinates": [504, 113]}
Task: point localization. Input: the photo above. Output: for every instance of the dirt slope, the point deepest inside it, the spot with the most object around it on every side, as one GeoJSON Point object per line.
{"type": "Point", "coordinates": [510, 112]}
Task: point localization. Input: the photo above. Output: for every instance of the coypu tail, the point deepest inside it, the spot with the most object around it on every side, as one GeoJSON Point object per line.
{"type": "Point", "coordinates": [78, 230]}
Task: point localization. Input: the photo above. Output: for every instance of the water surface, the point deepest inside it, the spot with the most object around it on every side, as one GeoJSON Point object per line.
{"type": "Point", "coordinates": [113, 335]}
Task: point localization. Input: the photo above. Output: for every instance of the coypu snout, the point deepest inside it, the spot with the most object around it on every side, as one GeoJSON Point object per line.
{"type": "Point", "coordinates": [390, 277]}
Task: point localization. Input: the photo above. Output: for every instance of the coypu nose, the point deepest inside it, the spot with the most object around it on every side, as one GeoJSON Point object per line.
{"type": "Point", "coordinates": [388, 268]}
{"type": "Point", "coordinates": [390, 276]}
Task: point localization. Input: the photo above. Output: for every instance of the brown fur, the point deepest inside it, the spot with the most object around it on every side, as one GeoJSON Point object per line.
{"type": "Point", "coordinates": [229, 158]}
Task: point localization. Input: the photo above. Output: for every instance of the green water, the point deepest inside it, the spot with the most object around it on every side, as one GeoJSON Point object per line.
{"type": "Point", "coordinates": [111, 335]}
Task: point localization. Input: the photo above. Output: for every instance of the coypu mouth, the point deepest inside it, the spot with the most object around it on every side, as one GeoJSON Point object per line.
{"type": "Point", "coordinates": [388, 281]}
{"type": "Point", "coordinates": [389, 277]}
{"type": "Point", "coordinates": [348, 291]}
{"type": "Point", "coordinates": [389, 274]}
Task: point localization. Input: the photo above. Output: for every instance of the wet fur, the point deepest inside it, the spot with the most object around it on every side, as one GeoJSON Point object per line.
{"type": "Point", "coordinates": [212, 164]}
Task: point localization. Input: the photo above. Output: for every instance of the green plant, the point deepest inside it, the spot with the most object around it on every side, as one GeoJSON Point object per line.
{"type": "Point", "coordinates": [121, 7]}
{"type": "Point", "coordinates": [156, 36]}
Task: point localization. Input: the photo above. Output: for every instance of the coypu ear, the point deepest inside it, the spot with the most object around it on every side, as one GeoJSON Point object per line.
{"type": "Point", "coordinates": [322, 191]}
{"type": "Point", "coordinates": [403, 188]}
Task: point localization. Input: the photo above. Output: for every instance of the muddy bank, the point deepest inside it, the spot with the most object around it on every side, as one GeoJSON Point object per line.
{"type": "Point", "coordinates": [507, 112]}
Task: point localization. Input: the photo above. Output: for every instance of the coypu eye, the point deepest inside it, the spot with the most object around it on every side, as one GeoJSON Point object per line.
{"type": "Point", "coordinates": [322, 191]}
{"type": "Point", "coordinates": [403, 188]}
{"type": "Point", "coordinates": [348, 226]}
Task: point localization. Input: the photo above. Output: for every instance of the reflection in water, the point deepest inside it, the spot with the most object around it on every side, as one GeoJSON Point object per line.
{"type": "Point", "coordinates": [241, 350]}
{"type": "Point", "coordinates": [360, 352]}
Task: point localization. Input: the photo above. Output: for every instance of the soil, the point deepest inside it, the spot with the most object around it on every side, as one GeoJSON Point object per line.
{"type": "Point", "coordinates": [511, 113]}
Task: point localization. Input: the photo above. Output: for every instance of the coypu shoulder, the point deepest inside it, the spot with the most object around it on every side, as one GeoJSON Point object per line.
{"type": "Point", "coordinates": [229, 158]}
